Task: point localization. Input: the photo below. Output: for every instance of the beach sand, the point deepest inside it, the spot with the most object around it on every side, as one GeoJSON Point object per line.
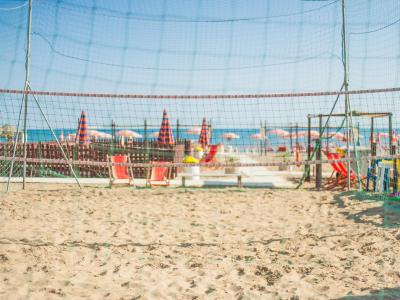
{"type": "Point", "coordinates": [58, 242]}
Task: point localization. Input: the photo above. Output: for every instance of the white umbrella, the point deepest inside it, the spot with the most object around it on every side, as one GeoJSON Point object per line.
{"type": "Point", "coordinates": [129, 134]}
{"type": "Point", "coordinates": [94, 133]}
{"type": "Point", "coordinates": [194, 131]}
{"type": "Point", "coordinates": [71, 137]}
{"type": "Point", "coordinates": [154, 134]}
{"type": "Point", "coordinates": [104, 135]}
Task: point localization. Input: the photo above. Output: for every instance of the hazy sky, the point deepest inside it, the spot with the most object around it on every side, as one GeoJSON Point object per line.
{"type": "Point", "coordinates": [199, 47]}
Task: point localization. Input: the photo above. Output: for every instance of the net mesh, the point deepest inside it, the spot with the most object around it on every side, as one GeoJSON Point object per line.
{"type": "Point", "coordinates": [254, 71]}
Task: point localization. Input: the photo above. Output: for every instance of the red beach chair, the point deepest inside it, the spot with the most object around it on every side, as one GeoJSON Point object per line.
{"type": "Point", "coordinates": [211, 154]}
{"type": "Point", "coordinates": [120, 172]}
{"type": "Point", "coordinates": [158, 175]}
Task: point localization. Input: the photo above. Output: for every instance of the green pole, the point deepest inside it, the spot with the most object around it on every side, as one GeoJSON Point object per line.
{"type": "Point", "coordinates": [308, 176]}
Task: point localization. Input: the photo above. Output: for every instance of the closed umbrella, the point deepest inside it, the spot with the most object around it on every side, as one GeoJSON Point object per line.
{"type": "Point", "coordinates": [165, 135]}
{"type": "Point", "coordinates": [203, 138]}
{"type": "Point", "coordinates": [82, 135]}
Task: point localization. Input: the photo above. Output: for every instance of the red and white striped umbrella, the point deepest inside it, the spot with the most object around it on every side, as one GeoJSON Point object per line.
{"type": "Point", "coordinates": [165, 135]}
{"type": "Point", "coordinates": [203, 138]}
{"type": "Point", "coordinates": [82, 135]}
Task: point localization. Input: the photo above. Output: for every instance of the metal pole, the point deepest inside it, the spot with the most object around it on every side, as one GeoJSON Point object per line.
{"type": "Point", "coordinates": [318, 176]}
{"type": "Point", "coordinates": [177, 131]}
{"type": "Point", "coordinates": [392, 149]}
{"type": "Point", "coordinates": [346, 88]}
{"type": "Point", "coordinates": [308, 176]}
{"type": "Point", "coordinates": [58, 142]}
{"type": "Point", "coordinates": [27, 63]}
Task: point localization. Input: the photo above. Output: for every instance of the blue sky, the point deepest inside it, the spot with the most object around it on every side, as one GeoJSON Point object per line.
{"type": "Point", "coordinates": [200, 47]}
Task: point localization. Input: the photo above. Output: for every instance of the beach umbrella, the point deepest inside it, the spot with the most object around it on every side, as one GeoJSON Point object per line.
{"type": "Point", "coordinates": [104, 135]}
{"type": "Point", "coordinates": [71, 137]}
{"type": "Point", "coordinates": [230, 136]}
{"type": "Point", "coordinates": [278, 132]}
{"type": "Point", "coordinates": [203, 138]}
{"type": "Point", "coordinates": [82, 135]}
{"type": "Point", "coordinates": [93, 133]}
{"type": "Point", "coordinates": [257, 136]}
{"type": "Point", "coordinates": [383, 134]}
{"type": "Point", "coordinates": [194, 131]}
{"type": "Point", "coordinates": [129, 134]}
{"type": "Point", "coordinates": [165, 135]}
{"type": "Point", "coordinates": [154, 134]}
{"type": "Point", "coordinates": [313, 134]}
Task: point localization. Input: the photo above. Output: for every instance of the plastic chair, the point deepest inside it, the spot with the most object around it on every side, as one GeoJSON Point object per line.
{"type": "Point", "coordinates": [120, 172]}
{"type": "Point", "coordinates": [158, 175]}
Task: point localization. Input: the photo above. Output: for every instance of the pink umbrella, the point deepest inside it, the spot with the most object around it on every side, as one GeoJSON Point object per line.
{"type": "Point", "coordinates": [383, 134]}
{"type": "Point", "coordinates": [128, 134]}
{"type": "Point", "coordinates": [257, 136]}
{"type": "Point", "coordinates": [230, 136]}
{"type": "Point", "coordinates": [278, 132]}
{"type": "Point", "coordinates": [339, 136]}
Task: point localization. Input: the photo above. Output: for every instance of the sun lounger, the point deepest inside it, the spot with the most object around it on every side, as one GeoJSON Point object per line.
{"type": "Point", "coordinates": [158, 175]}
{"type": "Point", "coordinates": [212, 152]}
{"type": "Point", "coordinates": [341, 172]}
{"type": "Point", "coordinates": [120, 172]}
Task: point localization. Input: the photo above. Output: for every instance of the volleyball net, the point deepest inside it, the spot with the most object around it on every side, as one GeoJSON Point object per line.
{"type": "Point", "coordinates": [245, 72]}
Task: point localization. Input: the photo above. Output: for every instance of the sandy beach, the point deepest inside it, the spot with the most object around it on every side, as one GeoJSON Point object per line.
{"type": "Point", "coordinates": [58, 242]}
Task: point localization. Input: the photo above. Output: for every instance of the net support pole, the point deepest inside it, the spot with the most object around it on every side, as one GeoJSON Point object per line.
{"type": "Point", "coordinates": [393, 152]}
{"type": "Point", "coordinates": [346, 89]}
{"type": "Point", "coordinates": [26, 86]}
{"type": "Point", "coordinates": [308, 176]}
{"type": "Point", "coordinates": [318, 175]}
{"type": "Point", "coordinates": [265, 139]}
{"type": "Point", "coordinates": [177, 130]}
{"type": "Point", "coordinates": [57, 141]}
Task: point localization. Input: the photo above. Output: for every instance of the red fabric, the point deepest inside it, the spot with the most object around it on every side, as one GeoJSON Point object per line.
{"type": "Point", "coordinates": [120, 172]}
{"type": "Point", "coordinates": [165, 135]}
{"type": "Point", "coordinates": [211, 153]}
{"type": "Point", "coordinates": [159, 173]}
{"type": "Point", "coordinates": [339, 166]}
{"type": "Point", "coordinates": [203, 138]}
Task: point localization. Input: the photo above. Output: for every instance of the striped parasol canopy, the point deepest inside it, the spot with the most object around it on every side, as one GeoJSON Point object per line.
{"type": "Point", "coordinates": [203, 138]}
{"type": "Point", "coordinates": [165, 135]}
{"type": "Point", "coordinates": [82, 135]}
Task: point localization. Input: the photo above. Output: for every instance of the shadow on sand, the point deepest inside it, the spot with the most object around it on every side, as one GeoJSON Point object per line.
{"type": "Point", "coordinates": [384, 294]}
{"type": "Point", "coordinates": [387, 211]}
